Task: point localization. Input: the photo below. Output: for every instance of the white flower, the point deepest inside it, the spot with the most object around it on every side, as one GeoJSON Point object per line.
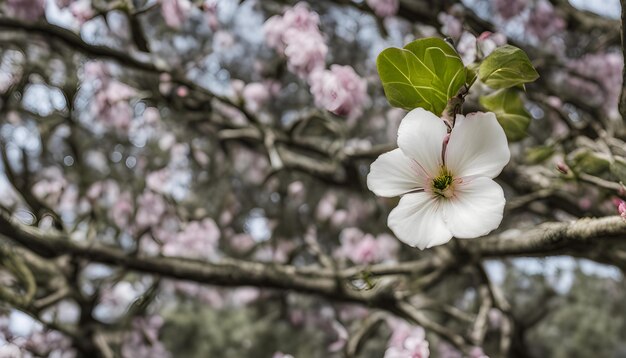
{"type": "Point", "coordinates": [445, 180]}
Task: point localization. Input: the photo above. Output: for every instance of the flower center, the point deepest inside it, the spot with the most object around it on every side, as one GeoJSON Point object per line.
{"type": "Point", "coordinates": [442, 183]}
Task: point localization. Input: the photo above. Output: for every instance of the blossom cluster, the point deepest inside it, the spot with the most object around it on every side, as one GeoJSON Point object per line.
{"type": "Point", "coordinates": [406, 341]}
{"type": "Point", "coordinates": [362, 248]}
{"type": "Point", "coordinates": [297, 36]}
{"type": "Point", "coordinates": [28, 10]}
{"type": "Point", "coordinates": [111, 104]}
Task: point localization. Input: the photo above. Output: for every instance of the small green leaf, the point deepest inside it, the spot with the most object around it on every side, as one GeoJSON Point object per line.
{"type": "Point", "coordinates": [539, 154]}
{"type": "Point", "coordinates": [425, 73]}
{"type": "Point", "coordinates": [509, 109]}
{"type": "Point", "coordinates": [505, 67]}
{"type": "Point", "coordinates": [589, 162]}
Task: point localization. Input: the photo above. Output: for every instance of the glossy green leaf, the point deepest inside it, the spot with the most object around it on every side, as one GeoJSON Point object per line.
{"type": "Point", "coordinates": [509, 109]}
{"type": "Point", "coordinates": [425, 73]}
{"type": "Point", "coordinates": [505, 67]}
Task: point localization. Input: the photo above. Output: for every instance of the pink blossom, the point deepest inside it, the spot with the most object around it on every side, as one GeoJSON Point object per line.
{"type": "Point", "coordinates": [151, 115]}
{"type": "Point", "coordinates": [296, 35]}
{"type": "Point", "coordinates": [281, 355]}
{"type": "Point", "coordinates": [197, 240]}
{"type": "Point", "coordinates": [488, 41]}
{"type": "Point", "coordinates": [384, 8]}
{"type": "Point", "coordinates": [51, 186]}
{"type": "Point", "coordinates": [543, 22]}
{"type": "Point", "coordinates": [143, 340]}
{"type": "Point", "coordinates": [28, 10]}
{"type": "Point", "coordinates": [339, 90]}
{"type": "Point", "coordinates": [604, 88]}
{"type": "Point", "coordinates": [406, 341]}
{"type": "Point", "coordinates": [363, 248]}
{"type": "Point", "coordinates": [621, 209]}
{"type": "Point", "coordinates": [243, 296]}
{"type": "Point", "coordinates": [111, 102]}
{"type": "Point", "coordinates": [242, 243]}
{"type": "Point", "coordinates": [151, 208]}
{"type": "Point", "coordinates": [210, 10]}
{"type": "Point", "coordinates": [255, 95]}
{"type": "Point", "coordinates": [326, 206]}
{"type": "Point", "coordinates": [175, 12]}
{"type": "Point", "coordinates": [305, 52]}
{"type": "Point", "coordinates": [82, 11]}
{"type": "Point", "coordinates": [467, 48]}
{"type": "Point", "coordinates": [477, 352]}
{"type": "Point", "coordinates": [451, 25]}
{"type": "Point", "coordinates": [509, 8]}
{"type": "Point", "coordinates": [122, 210]}
{"type": "Point", "coordinates": [298, 18]}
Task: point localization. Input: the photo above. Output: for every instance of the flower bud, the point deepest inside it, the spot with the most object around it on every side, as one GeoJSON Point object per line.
{"type": "Point", "coordinates": [562, 167]}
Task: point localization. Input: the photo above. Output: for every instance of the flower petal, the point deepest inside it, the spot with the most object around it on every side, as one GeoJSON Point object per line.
{"type": "Point", "coordinates": [393, 174]}
{"type": "Point", "coordinates": [420, 136]}
{"type": "Point", "coordinates": [477, 146]}
{"type": "Point", "coordinates": [418, 221]}
{"type": "Point", "coordinates": [476, 208]}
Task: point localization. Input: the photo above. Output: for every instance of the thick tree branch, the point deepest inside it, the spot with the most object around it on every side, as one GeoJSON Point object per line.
{"type": "Point", "coordinates": [551, 238]}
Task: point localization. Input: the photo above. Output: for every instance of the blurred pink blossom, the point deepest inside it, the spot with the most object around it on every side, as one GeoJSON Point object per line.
{"type": "Point", "coordinates": [384, 8]}
{"type": "Point", "coordinates": [543, 21]}
{"type": "Point", "coordinates": [197, 240]}
{"type": "Point", "coordinates": [489, 41]}
{"type": "Point", "coordinates": [339, 90]}
{"type": "Point", "coordinates": [175, 12]}
{"type": "Point", "coordinates": [621, 208]}
{"type": "Point", "coordinates": [111, 100]}
{"type": "Point", "coordinates": [122, 211]}
{"type": "Point", "coordinates": [143, 340]}
{"type": "Point", "coordinates": [82, 11]}
{"type": "Point", "coordinates": [467, 48]}
{"type": "Point", "coordinates": [305, 52]}
{"type": "Point", "coordinates": [600, 77]}
{"type": "Point", "coordinates": [255, 95]}
{"type": "Point", "coordinates": [326, 206]}
{"type": "Point", "coordinates": [150, 209]}
{"type": "Point", "coordinates": [28, 10]}
{"type": "Point", "coordinates": [451, 25]}
{"type": "Point", "coordinates": [509, 8]}
{"type": "Point", "coordinates": [406, 341]}
{"type": "Point", "coordinates": [363, 248]}
{"type": "Point", "coordinates": [210, 13]}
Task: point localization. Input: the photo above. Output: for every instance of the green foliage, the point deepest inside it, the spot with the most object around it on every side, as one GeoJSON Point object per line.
{"type": "Point", "coordinates": [506, 67]}
{"type": "Point", "coordinates": [589, 162]}
{"type": "Point", "coordinates": [539, 154]}
{"type": "Point", "coordinates": [425, 73]}
{"type": "Point", "coordinates": [509, 109]}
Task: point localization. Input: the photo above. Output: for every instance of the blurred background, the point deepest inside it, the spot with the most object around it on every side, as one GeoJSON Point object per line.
{"type": "Point", "coordinates": [185, 178]}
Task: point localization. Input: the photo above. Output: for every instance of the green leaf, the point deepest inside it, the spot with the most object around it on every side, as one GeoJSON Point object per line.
{"type": "Point", "coordinates": [505, 67]}
{"type": "Point", "coordinates": [425, 73]}
{"type": "Point", "coordinates": [509, 109]}
{"type": "Point", "coordinates": [539, 154]}
{"type": "Point", "coordinates": [589, 162]}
